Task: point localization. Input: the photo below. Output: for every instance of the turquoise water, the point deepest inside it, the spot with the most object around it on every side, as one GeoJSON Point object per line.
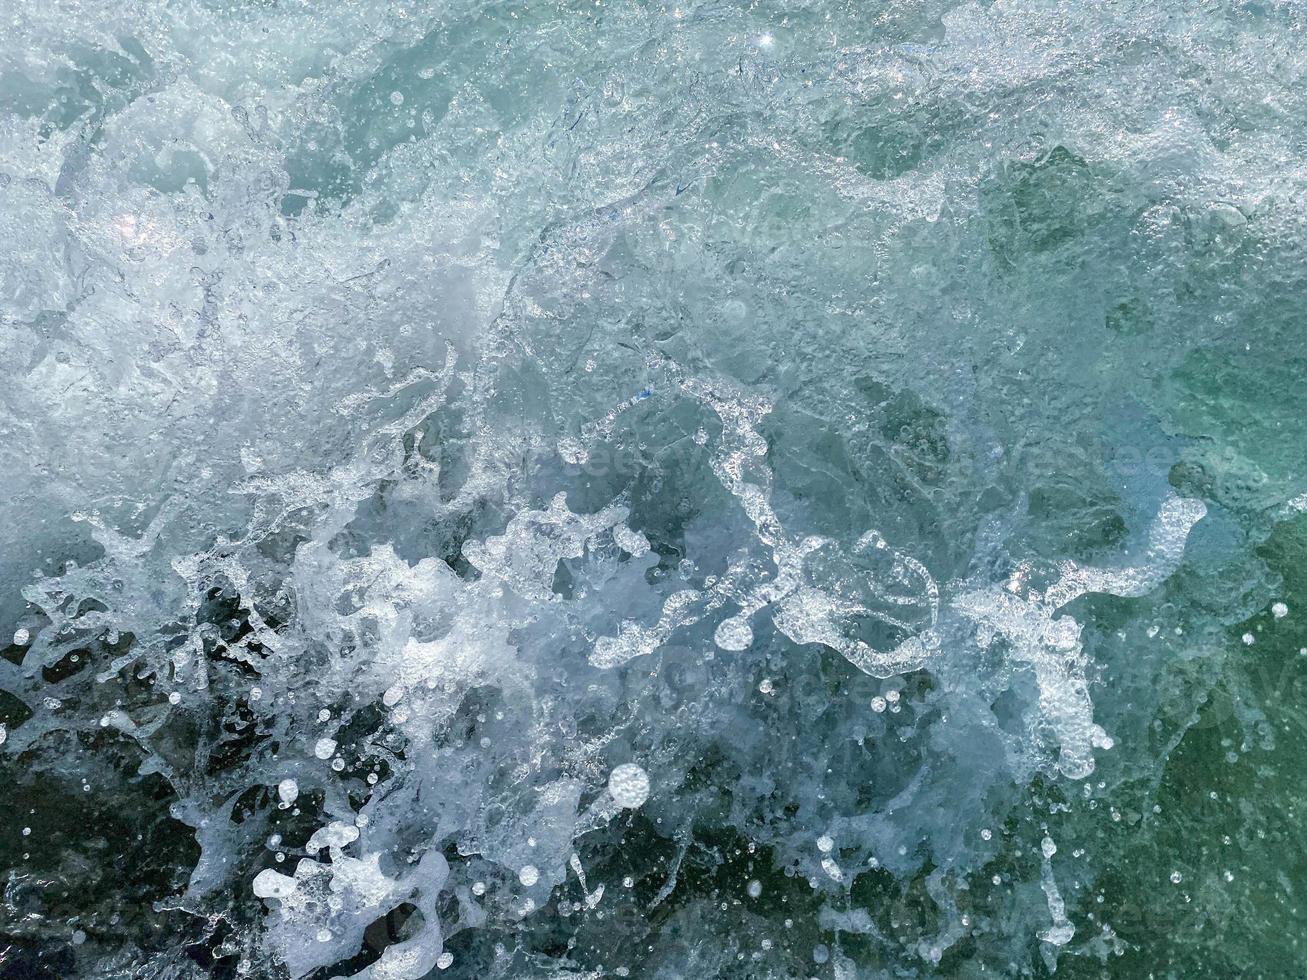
{"type": "Point", "coordinates": [616, 489]}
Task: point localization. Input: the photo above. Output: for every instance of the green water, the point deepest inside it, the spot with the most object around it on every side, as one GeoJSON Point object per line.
{"type": "Point", "coordinates": [877, 423]}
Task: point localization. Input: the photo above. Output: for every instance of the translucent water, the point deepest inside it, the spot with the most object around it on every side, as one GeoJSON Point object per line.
{"type": "Point", "coordinates": [619, 489]}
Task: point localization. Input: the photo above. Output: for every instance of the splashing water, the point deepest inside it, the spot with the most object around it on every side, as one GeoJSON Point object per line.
{"type": "Point", "coordinates": [605, 489]}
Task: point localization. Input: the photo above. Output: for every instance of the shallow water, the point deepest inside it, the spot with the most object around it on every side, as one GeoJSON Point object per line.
{"type": "Point", "coordinates": [611, 489]}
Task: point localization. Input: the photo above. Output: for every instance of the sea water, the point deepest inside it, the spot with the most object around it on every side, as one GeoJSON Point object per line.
{"type": "Point", "coordinates": [604, 489]}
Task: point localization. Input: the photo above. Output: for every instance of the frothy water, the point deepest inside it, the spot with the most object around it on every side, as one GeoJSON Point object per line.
{"type": "Point", "coordinates": [621, 490]}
